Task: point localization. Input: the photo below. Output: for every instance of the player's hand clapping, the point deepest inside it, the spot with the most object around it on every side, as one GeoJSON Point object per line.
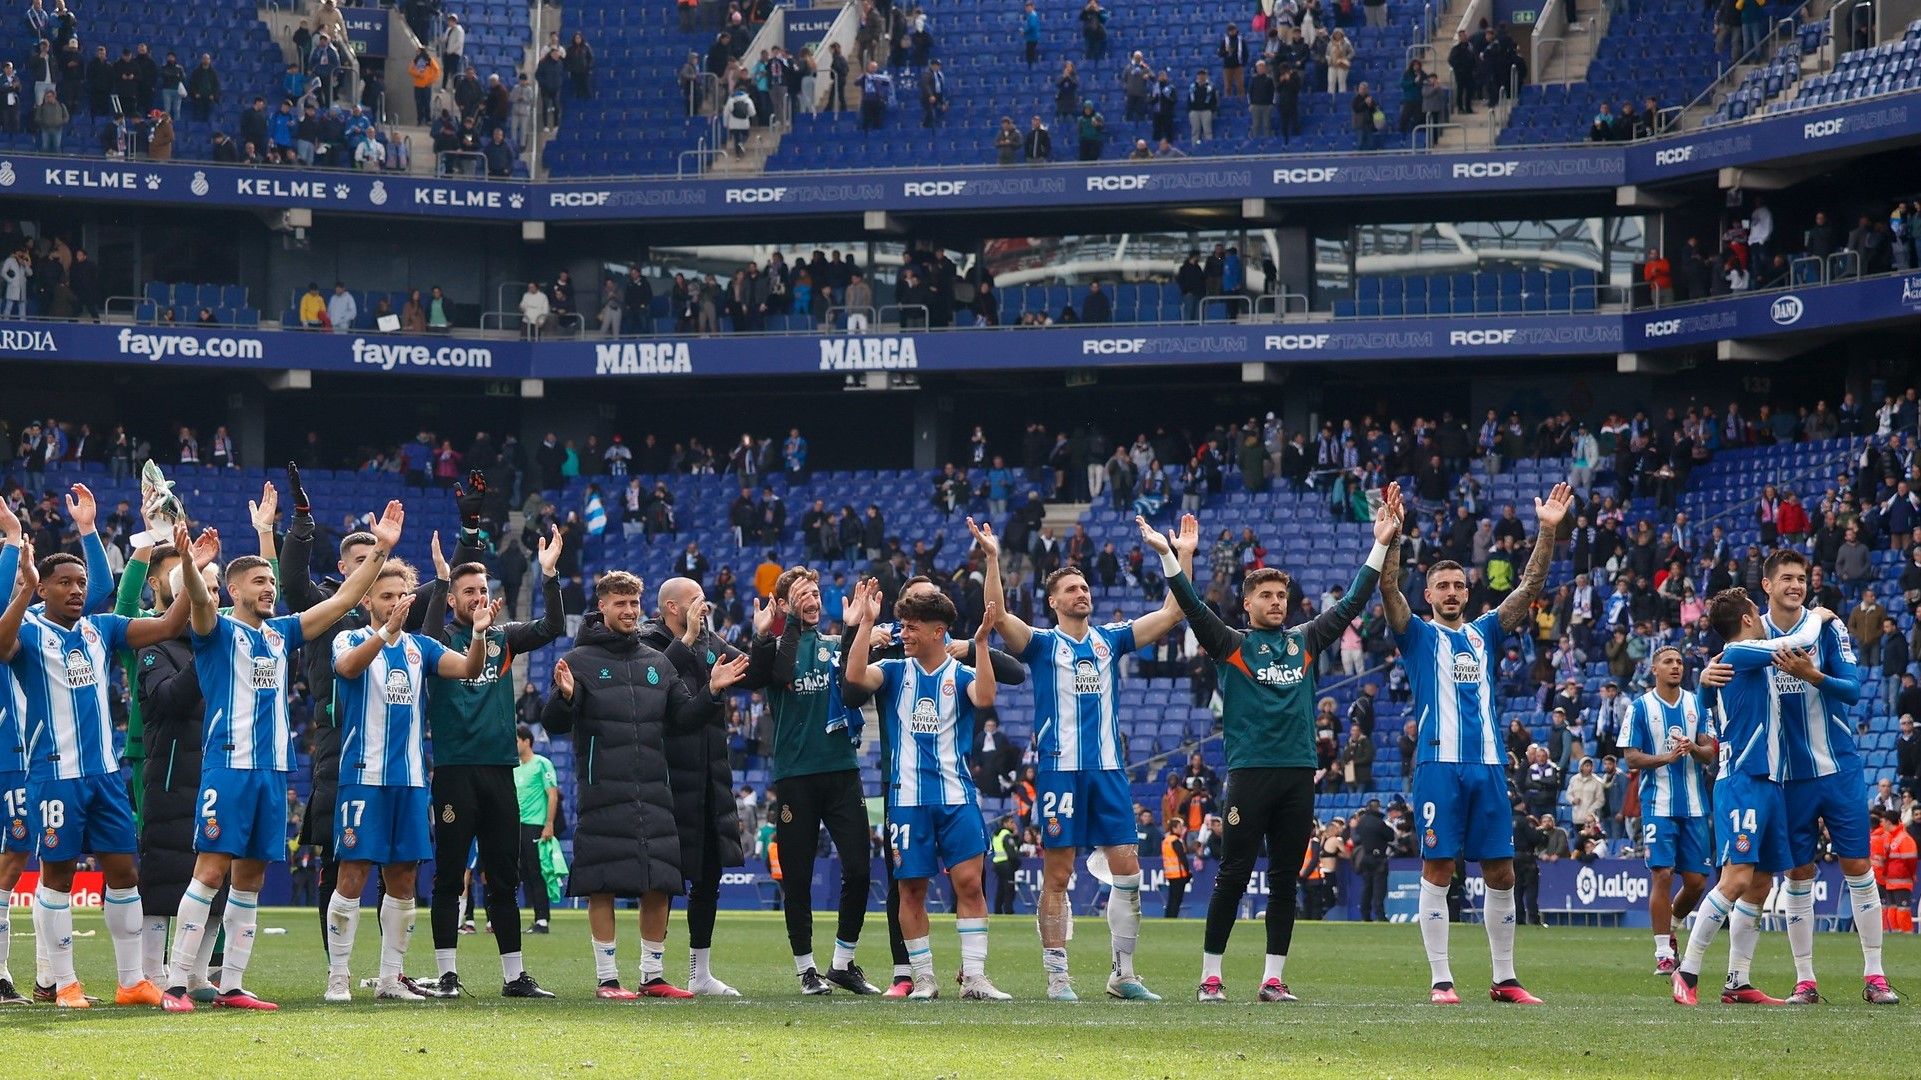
{"type": "Point", "coordinates": [563, 680]}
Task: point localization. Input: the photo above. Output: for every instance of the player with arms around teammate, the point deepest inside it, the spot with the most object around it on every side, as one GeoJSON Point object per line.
{"type": "Point", "coordinates": [620, 699]}
{"type": "Point", "coordinates": [241, 664]}
{"type": "Point", "coordinates": [1460, 788]}
{"type": "Point", "coordinates": [816, 774]}
{"type": "Point", "coordinates": [383, 807]}
{"type": "Point", "coordinates": [1267, 686]}
{"type": "Point", "coordinates": [1750, 810]}
{"type": "Point", "coordinates": [1084, 800]}
{"type": "Point", "coordinates": [76, 801]}
{"type": "Point", "coordinates": [927, 701]}
{"type": "Point", "coordinates": [472, 726]}
{"type": "Point", "coordinates": [1821, 777]}
{"type": "Point", "coordinates": [1665, 739]}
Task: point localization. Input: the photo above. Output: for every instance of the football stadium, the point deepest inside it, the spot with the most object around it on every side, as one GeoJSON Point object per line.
{"type": "Point", "coordinates": [1032, 537]}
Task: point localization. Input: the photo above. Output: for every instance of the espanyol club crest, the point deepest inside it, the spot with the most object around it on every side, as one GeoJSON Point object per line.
{"type": "Point", "coordinates": [1742, 844]}
{"type": "Point", "coordinates": [447, 813]}
{"type": "Point", "coordinates": [786, 814]}
{"type": "Point", "coordinates": [274, 640]}
{"type": "Point", "coordinates": [493, 649]}
{"type": "Point", "coordinates": [19, 828]}
{"type": "Point", "coordinates": [347, 837]}
{"type": "Point", "coordinates": [1474, 639]}
{"type": "Point", "coordinates": [1053, 826]}
{"type": "Point", "coordinates": [653, 677]}
{"type": "Point", "coordinates": [52, 838]}
{"type": "Point", "coordinates": [1293, 649]}
{"type": "Point", "coordinates": [87, 631]}
{"type": "Point", "coordinates": [947, 689]}
{"type": "Point", "coordinates": [824, 654]}
{"type": "Point", "coordinates": [1431, 840]}
{"type": "Point", "coordinates": [413, 654]}
{"type": "Point", "coordinates": [211, 828]}
{"type": "Point", "coordinates": [1233, 815]}
{"type": "Point", "coordinates": [1100, 650]}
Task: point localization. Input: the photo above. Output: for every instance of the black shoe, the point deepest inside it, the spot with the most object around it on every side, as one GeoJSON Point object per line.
{"type": "Point", "coordinates": [812, 984]}
{"type": "Point", "coordinates": [447, 986]}
{"type": "Point", "coordinates": [852, 980]}
{"type": "Point", "coordinates": [10, 996]}
{"type": "Point", "coordinates": [42, 994]}
{"type": "Point", "coordinates": [524, 987]}
{"type": "Point", "coordinates": [538, 928]}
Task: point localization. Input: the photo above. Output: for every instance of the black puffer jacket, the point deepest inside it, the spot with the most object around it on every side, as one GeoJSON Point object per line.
{"type": "Point", "coordinates": [174, 717]}
{"type": "Point", "coordinates": [627, 698]}
{"type": "Point", "coordinates": [697, 763]}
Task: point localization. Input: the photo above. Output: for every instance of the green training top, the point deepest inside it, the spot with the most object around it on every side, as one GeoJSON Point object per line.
{"type": "Point", "coordinates": [811, 726]}
{"type": "Point", "coordinates": [1267, 676]}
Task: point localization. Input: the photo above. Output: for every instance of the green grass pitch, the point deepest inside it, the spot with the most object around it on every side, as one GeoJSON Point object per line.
{"type": "Point", "coordinates": [1363, 1014]}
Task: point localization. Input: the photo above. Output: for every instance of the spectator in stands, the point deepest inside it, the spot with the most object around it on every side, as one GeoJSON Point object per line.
{"type": "Point", "coordinates": [740, 118]}
{"type": "Point", "coordinates": [1203, 100]}
{"type": "Point", "coordinates": [1754, 24]}
{"type": "Point", "coordinates": [453, 49]}
{"type": "Point", "coordinates": [1092, 131]}
{"type": "Point", "coordinates": [1907, 755]}
{"type": "Point", "coordinates": [313, 308]}
{"type": "Point", "coordinates": [1007, 142]}
{"type": "Point", "coordinates": [1261, 91]}
{"type": "Point", "coordinates": [342, 310]}
{"type": "Point", "coordinates": [15, 272]}
{"type": "Point", "coordinates": [325, 64]}
{"type": "Point", "coordinates": [1067, 92]}
{"type": "Point", "coordinates": [548, 78]}
{"type": "Point", "coordinates": [225, 151]}
{"type": "Point", "coordinates": [1376, 12]}
{"type": "Point", "coordinates": [50, 120]}
{"type": "Point", "coordinates": [1463, 60]}
{"type": "Point", "coordinates": [1030, 33]}
{"type": "Point", "coordinates": [933, 95]}
{"type": "Point", "coordinates": [160, 137]}
{"type": "Point", "coordinates": [580, 66]}
{"type": "Point", "coordinates": [1135, 80]}
{"type": "Point", "coordinates": [536, 315]}
{"type": "Point", "coordinates": [1659, 277]}
{"type": "Point", "coordinates": [1097, 307]}
{"type": "Point", "coordinates": [837, 75]}
{"type": "Point", "coordinates": [875, 88]}
{"type": "Point", "coordinates": [1094, 30]}
{"type": "Point", "coordinates": [1037, 146]}
{"type": "Point", "coordinates": [371, 151]}
{"type": "Point", "coordinates": [173, 84]}
{"type": "Point", "coordinates": [100, 83]}
{"type": "Point", "coordinates": [1602, 129]}
{"type": "Point", "coordinates": [1141, 151]}
{"type": "Point", "coordinates": [500, 156]}
{"type": "Point", "coordinates": [425, 72]}
{"type": "Point", "coordinates": [1367, 119]}
{"type": "Point", "coordinates": [43, 73]}
{"type": "Point", "coordinates": [39, 23]}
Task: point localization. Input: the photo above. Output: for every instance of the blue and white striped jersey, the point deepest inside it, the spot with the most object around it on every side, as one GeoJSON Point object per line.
{"type": "Point", "coordinates": [13, 702]}
{"type": "Point", "coordinates": [1451, 676]}
{"type": "Point", "coordinates": [63, 676]}
{"type": "Point", "coordinates": [1679, 790]}
{"type": "Point", "coordinates": [1076, 702]}
{"type": "Point", "coordinates": [929, 721]}
{"type": "Point", "coordinates": [1747, 710]}
{"type": "Point", "coordinates": [1816, 738]}
{"type": "Point", "coordinates": [382, 713]}
{"type": "Point", "coordinates": [243, 676]}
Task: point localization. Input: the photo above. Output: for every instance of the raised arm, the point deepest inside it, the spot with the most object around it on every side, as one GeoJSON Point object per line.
{"type": "Point", "coordinates": [981, 690]}
{"type": "Point", "coordinates": [1757, 653]}
{"type": "Point", "coordinates": [525, 637]}
{"type": "Point", "coordinates": [352, 662]}
{"type": "Point", "coordinates": [1217, 639]}
{"type": "Point", "coordinates": [1013, 631]}
{"type": "Point", "coordinates": [170, 624]}
{"type": "Point", "coordinates": [262, 514]}
{"type": "Point", "coordinates": [1548, 515]}
{"type": "Point", "coordinates": [16, 558]}
{"type": "Point", "coordinates": [203, 611]}
{"type": "Point", "coordinates": [1329, 625]}
{"type": "Point", "coordinates": [560, 712]}
{"type": "Point", "coordinates": [863, 608]}
{"type": "Point", "coordinates": [315, 620]}
{"type": "Point", "coordinates": [470, 664]}
{"type": "Point", "coordinates": [296, 550]}
{"type": "Point", "coordinates": [1841, 685]}
{"type": "Point", "coordinates": [84, 513]}
{"type": "Point", "coordinates": [133, 583]}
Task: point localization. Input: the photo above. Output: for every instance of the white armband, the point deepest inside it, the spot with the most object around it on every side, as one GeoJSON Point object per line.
{"type": "Point", "coordinates": [389, 638]}
{"type": "Point", "coordinates": [1170, 564]}
{"type": "Point", "coordinates": [141, 541]}
{"type": "Point", "coordinates": [1377, 558]}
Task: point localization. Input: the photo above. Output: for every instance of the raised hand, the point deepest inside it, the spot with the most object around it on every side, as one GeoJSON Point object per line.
{"type": "Point", "coordinates": [10, 521]}
{"type": "Point", "coordinates": [485, 613]}
{"type": "Point", "coordinates": [1188, 540]}
{"type": "Point", "coordinates": [471, 499]}
{"type": "Point", "coordinates": [1550, 511]}
{"type": "Point", "coordinates": [1387, 519]}
{"type": "Point", "coordinates": [1152, 537]}
{"type": "Point", "coordinates": [763, 616]}
{"type": "Point", "coordinates": [564, 679]}
{"type": "Point", "coordinates": [29, 568]}
{"type": "Point", "coordinates": [441, 570]}
{"type": "Point", "coordinates": [81, 510]}
{"type": "Point", "coordinates": [548, 552]}
{"type": "Point", "coordinates": [990, 618]}
{"type": "Point", "coordinates": [990, 544]}
{"type": "Point", "coordinates": [398, 620]}
{"type": "Point", "coordinates": [725, 674]}
{"type": "Point", "coordinates": [387, 530]}
{"type": "Point", "coordinates": [696, 616]}
{"type": "Point", "coordinates": [205, 549]}
{"type": "Point", "coordinates": [263, 513]}
{"type": "Point", "coordinates": [295, 491]}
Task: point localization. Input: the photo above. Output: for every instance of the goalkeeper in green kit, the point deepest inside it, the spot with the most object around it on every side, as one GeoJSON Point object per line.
{"type": "Point", "coordinates": [1267, 687]}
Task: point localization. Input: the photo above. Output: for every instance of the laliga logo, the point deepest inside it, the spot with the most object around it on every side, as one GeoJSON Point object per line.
{"type": "Point", "coordinates": [1675, 156]}
{"type": "Point", "coordinates": [1305, 176]}
{"type": "Point", "coordinates": [1590, 886]}
{"type": "Point", "coordinates": [1131, 182]}
{"type": "Point", "coordinates": [1113, 346]}
{"type": "Point", "coordinates": [922, 189]}
{"type": "Point", "coordinates": [756, 194]}
{"type": "Point", "coordinates": [1480, 337]}
{"type": "Point", "coordinates": [1787, 311]}
{"type": "Point", "coordinates": [1475, 170]}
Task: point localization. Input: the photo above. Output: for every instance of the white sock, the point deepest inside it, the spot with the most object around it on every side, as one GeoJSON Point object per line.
{"type": "Point", "coordinates": [447, 960]}
{"type": "Point", "coordinates": [1434, 931]}
{"type": "Point", "coordinates": [973, 945]}
{"type": "Point", "coordinates": [1709, 918]}
{"type": "Point", "coordinates": [920, 957]}
{"type": "Point", "coordinates": [1744, 933]}
{"type": "Point", "coordinates": [343, 919]}
{"type": "Point", "coordinates": [512, 966]}
{"type": "Point", "coordinates": [803, 962]}
{"type": "Point", "coordinates": [697, 971]}
{"type": "Point", "coordinates": [1124, 921]}
{"type": "Point", "coordinates": [53, 920]}
{"type": "Point", "coordinates": [42, 960]}
{"type": "Point", "coordinates": [1497, 913]}
{"type": "Point", "coordinates": [1274, 968]}
{"type": "Point", "coordinates": [202, 961]}
{"type": "Point", "coordinates": [606, 968]}
{"type": "Point", "coordinates": [6, 943]}
{"type": "Point", "coordinates": [1800, 908]}
{"type": "Point", "coordinates": [843, 955]}
{"type": "Point", "coordinates": [396, 932]}
{"type": "Point", "coordinates": [1663, 946]}
{"type": "Point", "coordinates": [124, 928]}
{"type": "Point", "coordinates": [242, 919]}
{"type": "Point", "coordinates": [903, 971]}
{"type": "Point", "coordinates": [1210, 966]}
{"type": "Point", "coordinates": [153, 950]}
{"type": "Point", "coordinates": [1054, 961]}
{"type": "Point", "coordinates": [651, 967]}
{"type": "Point", "coordinates": [1866, 900]}
{"type": "Point", "coordinates": [196, 912]}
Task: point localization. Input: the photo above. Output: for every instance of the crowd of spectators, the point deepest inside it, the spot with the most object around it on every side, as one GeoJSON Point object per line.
{"type": "Point", "coordinates": [1755, 253]}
